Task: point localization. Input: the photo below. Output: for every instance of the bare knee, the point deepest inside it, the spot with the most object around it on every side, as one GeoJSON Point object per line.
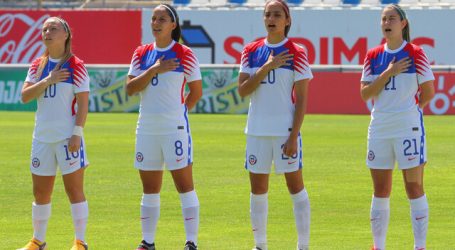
{"type": "Point", "coordinates": [75, 195]}
{"type": "Point", "coordinates": [150, 188]}
{"type": "Point", "coordinates": [42, 195]}
{"type": "Point", "coordinates": [382, 191]}
{"type": "Point", "coordinates": [184, 187]}
{"type": "Point", "coordinates": [259, 189]}
{"type": "Point", "coordinates": [414, 190]}
{"type": "Point", "coordinates": [295, 188]}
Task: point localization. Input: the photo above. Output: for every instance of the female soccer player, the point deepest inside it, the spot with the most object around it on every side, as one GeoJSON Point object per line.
{"type": "Point", "coordinates": [159, 72]}
{"type": "Point", "coordinates": [398, 77]}
{"type": "Point", "coordinates": [275, 72]}
{"type": "Point", "coordinates": [60, 83]}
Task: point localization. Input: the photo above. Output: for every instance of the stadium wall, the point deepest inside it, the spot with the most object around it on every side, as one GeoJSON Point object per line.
{"type": "Point", "coordinates": [331, 36]}
{"type": "Point", "coordinates": [334, 90]}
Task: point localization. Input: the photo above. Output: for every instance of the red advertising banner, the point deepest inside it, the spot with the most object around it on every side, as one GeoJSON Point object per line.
{"type": "Point", "coordinates": [339, 93]}
{"type": "Point", "coordinates": [99, 36]}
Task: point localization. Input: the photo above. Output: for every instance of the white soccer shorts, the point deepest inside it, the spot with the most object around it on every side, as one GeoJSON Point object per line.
{"type": "Point", "coordinates": [262, 150]}
{"type": "Point", "coordinates": [408, 152]}
{"type": "Point", "coordinates": [47, 157]}
{"type": "Point", "coordinates": [154, 151]}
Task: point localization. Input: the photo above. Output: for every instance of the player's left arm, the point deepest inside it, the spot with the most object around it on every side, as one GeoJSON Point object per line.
{"type": "Point", "coordinates": [426, 93]}
{"type": "Point", "coordinates": [81, 115]}
{"type": "Point", "coordinates": [194, 95]}
{"type": "Point", "coordinates": [301, 94]}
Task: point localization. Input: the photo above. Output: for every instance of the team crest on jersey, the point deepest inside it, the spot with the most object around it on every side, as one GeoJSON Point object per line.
{"type": "Point", "coordinates": [139, 157]}
{"type": "Point", "coordinates": [35, 162]}
{"type": "Point", "coordinates": [370, 155]}
{"type": "Point", "coordinates": [252, 159]}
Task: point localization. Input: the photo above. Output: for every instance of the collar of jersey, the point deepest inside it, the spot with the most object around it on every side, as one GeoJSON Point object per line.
{"type": "Point", "coordinates": [275, 45]}
{"type": "Point", "coordinates": [395, 50]}
{"type": "Point", "coordinates": [163, 49]}
{"type": "Point", "coordinates": [54, 60]}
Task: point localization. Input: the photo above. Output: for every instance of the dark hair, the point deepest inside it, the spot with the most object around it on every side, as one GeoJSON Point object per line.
{"type": "Point", "coordinates": [177, 32]}
{"type": "Point", "coordinates": [286, 12]}
{"type": "Point", "coordinates": [406, 30]}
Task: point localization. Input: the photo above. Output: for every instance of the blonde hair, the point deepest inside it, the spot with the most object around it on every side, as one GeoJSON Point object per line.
{"type": "Point", "coordinates": [68, 52]}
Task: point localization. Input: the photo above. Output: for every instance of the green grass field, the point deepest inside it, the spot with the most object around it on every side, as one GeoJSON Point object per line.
{"type": "Point", "coordinates": [335, 175]}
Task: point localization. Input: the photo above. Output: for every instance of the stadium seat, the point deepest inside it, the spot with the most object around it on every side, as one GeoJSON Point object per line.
{"type": "Point", "coordinates": [236, 1]}
{"type": "Point", "coordinates": [180, 2]}
{"type": "Point", "coordinates": [351, 2]}
{"type": "Point", "coordinates": [390, 1]}
{"type": "Point", "coordinates": [295, 2]}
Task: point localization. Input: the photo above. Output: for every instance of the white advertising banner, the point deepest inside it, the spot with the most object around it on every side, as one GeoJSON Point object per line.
{"type": "Point", "coordinates": [330, 36]}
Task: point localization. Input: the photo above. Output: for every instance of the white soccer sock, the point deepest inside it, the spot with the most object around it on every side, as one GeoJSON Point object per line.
{"type": "Point", "coordinates": [190, 212]}
{"type": "Point", "coordinates": [302, 217]}
{"type": "Point", "coordinates": [379, 219]}
{"type": "Point", "coordinates": [150, 213]}
{"type": "Point", "coordinates": [420, 217]}
{"type": "Point", "coordinates": [40, 217]}
{"type": "Point", "coordinates": [258, 212]}
{"type": "Point", "coordinates": [79, 211]}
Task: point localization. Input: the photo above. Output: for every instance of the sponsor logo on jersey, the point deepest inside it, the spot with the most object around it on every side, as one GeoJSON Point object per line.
{"type": "Point", "coordinates": [252, 159]}
{"type": "Point", "coordinates": [139, 157]}
{"type": "Point", "coordinates": [35, 162]}
{"type": "Point", "coordinates": [370, 155]}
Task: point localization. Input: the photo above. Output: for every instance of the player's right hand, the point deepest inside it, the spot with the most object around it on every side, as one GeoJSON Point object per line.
{"type": "Point", "coordinates": [282, 59]}
{"type": "Point", "coordinates": [162, 66]}
{"type": "Point", "coordinates": [56, 76]}
{"type": "Point", "coordinates": [400, 66]}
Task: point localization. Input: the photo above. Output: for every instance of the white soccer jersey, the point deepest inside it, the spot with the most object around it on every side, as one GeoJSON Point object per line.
{"type": "Point", "coordinates": [162, 108]}
{"type": "Point", "coordinates": [56, 113]}
{"type": "Point", "coordinates": [272, 104]}
{"type": "Point", "coordinates": [396, 111]}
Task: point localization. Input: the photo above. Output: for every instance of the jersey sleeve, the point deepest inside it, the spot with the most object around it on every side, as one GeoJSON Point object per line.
{"type": "Point", "coordinates": [423, 69]}
{"type": "Point", "coordinates": [244, 62]}
{"type": "Point", "coordinates": [32, 76]}
{"type": "Point", "coordinates": [367, 74]}
{"type": "Point", "coordinates": [191, 68]}
{"type": "Point", "coordinates": [302, 68]}
{"type": "Point", "coordinates": [135, 66]}
{"type": "Point", "coordinates": [81, 78]}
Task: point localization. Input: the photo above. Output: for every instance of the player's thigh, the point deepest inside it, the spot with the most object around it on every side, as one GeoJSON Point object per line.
{"type": "Point", "coordinates": [259, 154]}
{"type": "Point", "coordinates": [43, 159]}
{"type": "Point", "coordinates": [148, 153]}
{"type": "Point", "coordinates": [410, 151]}
{"type": "Point", "coordinates": [70, 162]}
{"type": "Point", "coordinates": [380, 154]}
{"type": "Point", "coordinates": [284, 163]}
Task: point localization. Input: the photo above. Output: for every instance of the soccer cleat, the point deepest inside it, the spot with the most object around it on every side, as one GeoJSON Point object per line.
{"type": "Point", "coordinates": [34, 244]}
{"type": "Point", "coordinates": [256, 248]}
{"type": "Point", "coordinates": [79, 245]}
{"type": "Point", "coordinates": [145, 246]}
{"type": "Point", "coordinates": [189, 245]}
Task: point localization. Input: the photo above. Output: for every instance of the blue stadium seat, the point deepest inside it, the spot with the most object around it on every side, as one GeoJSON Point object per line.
{"type": "Point", "coordinates": [351, 2]}
{"type": "Point", "coordinates": [237, 1]}
{"type": "Point", "coordinates": [389, 1]}
{"type": "Point", "coordinates": [295, 2]}
{"type": "Point", "coordinates": [181, 1]}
